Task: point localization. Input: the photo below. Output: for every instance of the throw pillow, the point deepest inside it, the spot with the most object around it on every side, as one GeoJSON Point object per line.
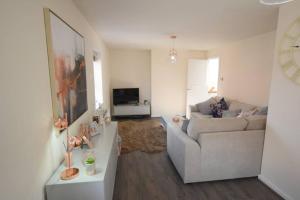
{"type": "Point", "coordinates": [216, 110]}
{"type": "Point", "coordinates": [262, 111]}
{"type": "Point", "coordinates": [204, 107]}
{"type": "Point", "coordinates": [185, 124]}
{"type": "Point", "coordinates": [228, 113]}
{"type": "Point", "coordinates": [223, 104]}
{"type": "Point", "coordinates": [247, 113]}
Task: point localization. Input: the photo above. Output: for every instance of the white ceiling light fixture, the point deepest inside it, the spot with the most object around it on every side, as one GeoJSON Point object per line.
{"type": "Point", "coordinates": [274, 2]}
{"type": "Point", "coordinates": [173, 52]}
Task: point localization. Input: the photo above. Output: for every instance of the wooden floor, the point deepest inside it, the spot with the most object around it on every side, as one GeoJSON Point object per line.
{"type": "Point", "coordinates": [142, 176]}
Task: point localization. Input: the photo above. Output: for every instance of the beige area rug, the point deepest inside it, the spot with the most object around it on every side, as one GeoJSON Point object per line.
{"type": "Point", "coordinates": [142, 135]}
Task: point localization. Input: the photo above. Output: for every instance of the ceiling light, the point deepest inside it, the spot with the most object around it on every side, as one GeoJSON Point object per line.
{"type": "Point", "coordinates": [173, 52]}
{"type": "Point", "coordinates": [274, 2]}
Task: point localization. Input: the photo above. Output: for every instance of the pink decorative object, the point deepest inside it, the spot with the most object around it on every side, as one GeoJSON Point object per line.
{"type": "Point", "coordinates": [85, 131]}
{"type": "Point", "coordinates": [68, 173]}
{"type": "Point", "coordinates": [87, 142]}
{"type": "Point", "coordinates": [61, 124]}
{"type": "Point", "coordinates": [68, 159]}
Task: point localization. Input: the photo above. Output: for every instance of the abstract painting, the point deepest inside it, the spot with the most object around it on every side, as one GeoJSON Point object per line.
{"type": "Point", "coordinates": [67, 68]}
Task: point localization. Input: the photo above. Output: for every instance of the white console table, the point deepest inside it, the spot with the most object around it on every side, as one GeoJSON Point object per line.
{"type": "Point", "coordinates": [84, 187]}
{"type": "Point", "coordinates": [131, 109]}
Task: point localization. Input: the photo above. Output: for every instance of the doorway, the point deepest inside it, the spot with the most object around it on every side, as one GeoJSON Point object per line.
{"type": "Point", "coordinates": [202, 81]}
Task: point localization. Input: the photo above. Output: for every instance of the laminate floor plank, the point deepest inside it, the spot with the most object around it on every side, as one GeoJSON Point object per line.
{"type": "Point", "coordinates": [142, 176]}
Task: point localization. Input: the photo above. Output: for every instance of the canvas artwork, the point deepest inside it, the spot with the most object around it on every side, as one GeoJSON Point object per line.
{"type": "Point", "coordinates": [67, 68]}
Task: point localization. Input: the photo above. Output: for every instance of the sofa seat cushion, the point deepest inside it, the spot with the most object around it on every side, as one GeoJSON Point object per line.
{"type": "Point", "coordinates": [236, 105]}
{"type": "Point", "coordinates": [256, 122]}
{"type": "Point", "coordinates": [199, 115]}
{"type": "Point", "coordinates": [204, 125]}
{"type": "Point", "coordinates": [228, 113]}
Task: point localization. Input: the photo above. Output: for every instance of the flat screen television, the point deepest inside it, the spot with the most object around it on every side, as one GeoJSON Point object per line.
{"type": "Point", "coordinates": [126, 96]}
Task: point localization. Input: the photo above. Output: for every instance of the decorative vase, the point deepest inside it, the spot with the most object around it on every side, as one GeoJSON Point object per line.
{"type": "Point", "coordinates": [90, 169]}
{"type": "Point", "coordinates": [89, 161]}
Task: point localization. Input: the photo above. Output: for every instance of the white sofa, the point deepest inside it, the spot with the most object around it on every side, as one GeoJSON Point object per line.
{"type": "Point", "coordinates": [217, 149]}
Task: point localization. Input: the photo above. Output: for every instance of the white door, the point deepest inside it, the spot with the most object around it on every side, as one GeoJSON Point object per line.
{"type": "Point", "coordinates": [196, 83]}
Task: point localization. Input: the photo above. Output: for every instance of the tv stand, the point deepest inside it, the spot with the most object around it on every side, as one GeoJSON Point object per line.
{"type": "Point", "coordinates": [131, 109]}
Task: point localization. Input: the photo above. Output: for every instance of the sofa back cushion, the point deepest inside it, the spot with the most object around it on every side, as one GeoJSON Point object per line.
{"type": "Point", "coordinates": [198, 126]}
{"type": "Point", "coordinates": [256, 122]}
{"type": "Point", "coordinates": [262, 111]}
{"type": "Point", "coordinates": [204, 107]}
{"type": "Point", "coordinates": [236, 105]}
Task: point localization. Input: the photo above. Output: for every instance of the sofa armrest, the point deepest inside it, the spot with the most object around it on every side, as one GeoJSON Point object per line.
{"type": "Point", "coordinates": [183, 151]}
{"type": "Point", "coordinates": [191, 108]}
{"type": "Point", "coordinates": [226, 153]}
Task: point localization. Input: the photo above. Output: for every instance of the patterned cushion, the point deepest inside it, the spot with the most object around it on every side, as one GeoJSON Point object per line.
{"type": "Point", "coordinates": [223, 104]}
{"type": "Point", "coordinates": [217, 108]}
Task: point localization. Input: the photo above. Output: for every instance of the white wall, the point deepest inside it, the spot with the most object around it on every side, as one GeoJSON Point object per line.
{"type": "Point", "coordinates": [131, 68]}
{"type": "Point", "coordinates": [246, 68]}
{"type": "Point", "coordinates": [30, 149]}
{"type": "Point", "coordinates": [281, 158]}
{"type": "Point", "coordinates": [168, 81]}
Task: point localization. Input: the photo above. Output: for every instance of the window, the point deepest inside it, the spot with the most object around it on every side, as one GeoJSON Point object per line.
{"type": "Point", "coordinates": [98, 82]}
{"type": "Point", "coordinates": [213, 75]}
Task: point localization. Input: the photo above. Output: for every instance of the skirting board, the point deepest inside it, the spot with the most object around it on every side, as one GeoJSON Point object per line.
{"type": "Point", "coordinates": [274, 187]}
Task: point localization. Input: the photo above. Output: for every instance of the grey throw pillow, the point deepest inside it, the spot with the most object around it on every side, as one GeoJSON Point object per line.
{"type": "Point", "coordinates": [262, 111]}
{"type": "Point", "coordinates": [204, 107]}
{"type": "Point", "coordinates": [185, 124]}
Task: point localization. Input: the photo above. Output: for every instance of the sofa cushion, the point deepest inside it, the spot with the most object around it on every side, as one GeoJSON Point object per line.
{"type": "Point", "coordinates": [236, 105]}
{"type": "Point", "coordinates": [223, 104]}
{"type": "Point", "coordinates": [262, 111]}
{"type": "Point", "coordinates": [193, 108]}
{"type": "Point", "coordinates": [228, 113]}
{"type": "Point", "coordinates": [198, 126]}
{"type": "Point", "coordinates": [216, 110]}
{"type": "Point", "coordinates": [204, 107]}
{"type": "Point", "coordinates": [199, 115]}
{"type": "Point", "coordinates": [218, 98]}
{"type": "Point", "coordinates": [247, 113]}
{"type": "Point", "coordinates": [256, 122]}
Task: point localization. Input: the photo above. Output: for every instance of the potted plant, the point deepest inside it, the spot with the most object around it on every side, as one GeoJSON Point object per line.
{"type": "Point", "coordinates": [90, 165]}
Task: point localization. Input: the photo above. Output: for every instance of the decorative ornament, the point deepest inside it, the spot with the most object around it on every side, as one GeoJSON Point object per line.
{"type": "Point", "coordinates": [173, 52]}
{"type": "Point", "coordinates": [289, 52]}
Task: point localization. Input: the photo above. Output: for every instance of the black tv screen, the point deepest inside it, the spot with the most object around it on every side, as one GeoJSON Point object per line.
{"type": "Point", "coordinates": [126, 96]}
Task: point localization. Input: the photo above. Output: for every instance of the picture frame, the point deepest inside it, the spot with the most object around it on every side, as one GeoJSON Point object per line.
{"type": "Point", "coordinates": [67, 68]}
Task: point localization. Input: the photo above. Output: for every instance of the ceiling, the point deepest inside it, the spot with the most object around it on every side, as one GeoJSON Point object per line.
{"type": "Point", "coordinates": [198, 24]}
